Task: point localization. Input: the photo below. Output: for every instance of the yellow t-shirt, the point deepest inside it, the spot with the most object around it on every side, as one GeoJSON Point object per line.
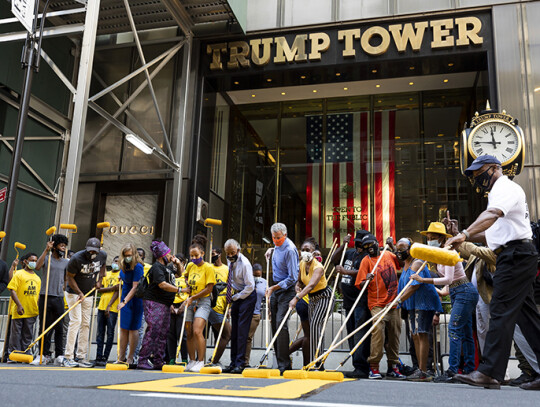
{"type": "Point", "coordinates": [27, 286]}
{"type": "Point", "coordinates": [306, 276]}
{"type": "Point", "coordinates": [200, 276]}
{"type": "Point", "coordinates": [146, 268]}
{"type": "Point", "coordinates": [222, 275]}
{"type": "Point", "coordinates": [110, 280]}
{"type": "Point", "coordinates": [181, 283]}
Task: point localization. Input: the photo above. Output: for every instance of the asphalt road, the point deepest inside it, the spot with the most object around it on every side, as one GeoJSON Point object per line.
{"type": "Point", "coordinates": [48, 386]}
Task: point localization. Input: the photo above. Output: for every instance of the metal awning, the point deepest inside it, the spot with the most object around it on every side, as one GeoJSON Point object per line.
{"type": "Point", "coordinates": [151, 14]}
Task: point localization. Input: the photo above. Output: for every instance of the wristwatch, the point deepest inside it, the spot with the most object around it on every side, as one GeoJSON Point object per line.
{"type": "Point", "coordinates": [297, 297]}
{"type": "Point", "coordinates": [466, 234]}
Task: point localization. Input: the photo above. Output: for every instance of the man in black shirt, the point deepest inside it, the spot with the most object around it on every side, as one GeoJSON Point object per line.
{"type": "Point", "coordinates": [349, 270]}
{"type": "Point", "coordinates": [84, 268]}
{"type": "Point", "coordinates": [4, 276]}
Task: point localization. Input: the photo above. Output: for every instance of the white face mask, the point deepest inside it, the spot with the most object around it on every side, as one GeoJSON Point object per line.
{"type": "Point", "coordinates": [306, 256]}
{"type": "Point", "coordinates": [434, 243]}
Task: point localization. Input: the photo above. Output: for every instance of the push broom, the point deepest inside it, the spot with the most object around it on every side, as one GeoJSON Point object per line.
{"type": "Point", "coordinates": [48, 232]}
{"type": "Point", "coordinates": [216, 369]}
{"type": "Point", "coordinates": [179, 368]}
{"type": "Point", "coordinates": [118, 365]}
{"type": "Point", "coordinates": [262, 371]}
{"type": "Point", "coordinates": [21, 356]}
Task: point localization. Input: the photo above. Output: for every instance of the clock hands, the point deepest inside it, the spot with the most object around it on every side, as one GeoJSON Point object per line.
{"type": "Point", "coordinates": [493, 139]}
{"type": "Point", "coordinates": [487, 142]}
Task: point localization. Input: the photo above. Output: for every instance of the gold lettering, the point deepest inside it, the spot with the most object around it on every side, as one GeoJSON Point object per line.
{"type": "Point", "coordinates": [238, 55]}
{"type": "Point", "coordinates": [123, 230]}
{"type": "Point", "coordinates": [349, 36]}
{"type": "Point", "coordinates": [256, 51]}
{"type": "Point", "coordinates": [216, 50]}
{"type": "Point", "coordinates": [441, 33]}
{"type": "Point", "coordinates": [369, 34]}
{"type": "Point", "coordinates": [133, 230]}
{"type": "Point", "coordinates": [409, 34]}
{"type": "Point", "coordinates": [320, 42]}
{"type": "Point", "coordinates": [152, 230]}
{"type": "Point", "coordinates": [467, 35]}
{"type": "Point", "coordinates": [297, 52]}
{"type": "Point", "coordinates": [144, 230]}
{"type": "Point", "coordinates": [113, 230]}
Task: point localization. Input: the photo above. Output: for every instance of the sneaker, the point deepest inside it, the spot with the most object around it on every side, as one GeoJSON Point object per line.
{"type": "Point", "coordinates": [59, 361]}
{"type": "Point", "coordinates": [356, 374]}
{"type": "Point", "coordinates": [524, 378]}
{"type": "Point", "coordinates": [197, 367]}
{"type": "Point", "coordinates": [45, 361]}
{"type": "Point", "coordinates": [35, 362]}
{"type": "Point", "coordinates": [419, 376]}
{"type": "Point", "coordinates": [446, 377]}
{"type": "Point", "coordinates": [101, 362]}
{"type": "Point", "coordinates": [190, 365]}
{"type": "Point", "coordinates": [374, 373]}
{"type": "Point", "coordinates": [69, 363]}
{"type": "Point", "coordinates": [86, 364]}
{"type": "Point", "coordinates": [395, 374]}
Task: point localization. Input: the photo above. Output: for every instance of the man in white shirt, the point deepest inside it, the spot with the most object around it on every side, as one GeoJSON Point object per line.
{"type": "Point", "coordinates": [505, 227]}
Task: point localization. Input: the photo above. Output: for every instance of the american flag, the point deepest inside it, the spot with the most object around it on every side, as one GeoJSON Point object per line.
{"type": "Point", "coordinates": [340, 192]}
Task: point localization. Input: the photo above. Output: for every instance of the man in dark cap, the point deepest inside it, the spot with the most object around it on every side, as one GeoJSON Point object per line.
{"type": "Point", "coordinates": [85, 270]}
{"type": "Point", "coordinates": [505, 227]}
{"type": "Point", "coordinates": [349, 270]}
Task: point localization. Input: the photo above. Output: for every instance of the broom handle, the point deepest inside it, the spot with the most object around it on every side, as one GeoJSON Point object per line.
{"type": "Point", "coordinates": [330, 253]}
{"type": "Point", "coordinates": [45, 306]}
{"type": "Point", "coordinates": [297, 333]}
{"type": "Point", "coordinates": [327, 263]}
{"type": "Point", "coordinates": [386, 311]}
{"type": "Point", "coordinates": [330, 304]}
{"type": "Point", "coordinates": [59, 319]}
{"type": "Point", "coordinates": [267, 306]}
{"type": "Point", "coordinates": [276, 335]}
{"type": "Point", "coordinates": [351, 312]}
{"type": "Point", "coordinates": [92, 324]}
{"type": "Point", "coordinates": [220, 332]}
{"type": "Point", "coordinates": [181, 333]}
{"type": "Point", "coordinates": [325, 355]}
{"type": "Point", "coordinates": [118, 322]}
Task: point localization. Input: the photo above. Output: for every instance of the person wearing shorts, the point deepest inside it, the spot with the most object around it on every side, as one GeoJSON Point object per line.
{"type": "Point", "coordinates": [421, 301]}
{"type": "Point", "coordinates": [201, 279]}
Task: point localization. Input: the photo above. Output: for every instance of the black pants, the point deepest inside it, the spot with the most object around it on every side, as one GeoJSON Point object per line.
{"type": "Point", "coordinates": [512, 302]}
{"type": "Point", "coordinates": [279, 305]}
{"type": "Point", "coordinates": [107, 325]}
{"type": "Point", "coordinates": [55, 308]}
{"type": "Point", "coordinates": [361, 315]}
{"type": "Point", "coordinates": [173, 335]}
{"type": "Point", "coordinates": [241, 315]}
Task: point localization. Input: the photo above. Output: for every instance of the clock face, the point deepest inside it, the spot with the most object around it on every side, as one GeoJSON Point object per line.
{"type": "Point", "coordinates": [496, 138]}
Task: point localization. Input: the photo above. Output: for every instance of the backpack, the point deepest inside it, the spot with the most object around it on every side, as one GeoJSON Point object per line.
{"type": "Point", "coordinates": [218, 288]}
{"type": "Point", "coordinates": [142, 286]}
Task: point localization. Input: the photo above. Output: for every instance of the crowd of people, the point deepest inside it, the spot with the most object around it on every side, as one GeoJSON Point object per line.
{"type": "Point", "coordinates": [492, 294]}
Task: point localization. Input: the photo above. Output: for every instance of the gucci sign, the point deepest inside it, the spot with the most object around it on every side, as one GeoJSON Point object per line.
{"type": "Point", "coordinates": [132, 230]}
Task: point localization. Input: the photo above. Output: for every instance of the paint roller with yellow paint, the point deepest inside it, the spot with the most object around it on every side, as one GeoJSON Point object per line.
{"type": "Point", "coordinates": [70, 227]}
{"type": "Point", "coordinates": [48, 232]}
{"type": "Point", "coordinates": [181, 367]}
{"type": "Point", "coordinates": [103, 226]}
{"type": "Point", "coordinates": [19, 245]}
{"type": "Point", "coordinates": [210, 223]}
{"type": "Point", "coordinates": [118, 365]}
{"type": "Point", "coordinates": [21, 356]}
{"type": "Point", "coordinates": [2, 235]}
{"type": "Point", "coordinates": [216, 369]}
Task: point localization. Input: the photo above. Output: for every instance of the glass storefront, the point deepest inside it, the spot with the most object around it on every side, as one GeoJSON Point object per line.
{"type": "Point", "coordinates": [388, 163]}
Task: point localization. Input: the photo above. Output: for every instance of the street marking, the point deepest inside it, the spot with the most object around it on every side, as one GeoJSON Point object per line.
{"type": "Point", "coordinates": [223, 385]}
{"type": "Point", "coordinates": [250, 400]}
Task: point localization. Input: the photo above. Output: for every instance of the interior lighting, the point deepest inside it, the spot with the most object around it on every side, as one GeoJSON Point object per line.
{"type": "Point", "coordinates": [141, 145]}
{"type": "Point", "coordinates": [411, 83]}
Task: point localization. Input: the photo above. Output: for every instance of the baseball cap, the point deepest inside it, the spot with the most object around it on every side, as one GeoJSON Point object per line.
{"type": "Point", "coordinates": [479, 162]}
{"type": "Point", "coordinates": [369, 239]}
{"type": "Point", "coordinates": [93, 244]}
{"type": "Point", "coordinates": [360, 235]}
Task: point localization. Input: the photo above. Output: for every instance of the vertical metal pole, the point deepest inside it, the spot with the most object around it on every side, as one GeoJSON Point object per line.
{"type": "Point", "coordinates": [322, 210]}
{"type": "Point", "coordinates": [278, 164]}
{"type": "Point", "coordinates": [71, 183]}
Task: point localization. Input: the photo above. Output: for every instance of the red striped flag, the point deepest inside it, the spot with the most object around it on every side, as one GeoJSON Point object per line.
{"type": "Point", "coordinates": [338, 194]}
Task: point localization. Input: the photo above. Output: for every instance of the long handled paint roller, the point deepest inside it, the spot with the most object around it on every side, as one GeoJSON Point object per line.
{"type": "Point", "coordinates": [93, 319]}
{"type": "Point", "coordinates": [19, 245]}
{"type": "Point", "coordinates": [210, 223]}
{"type": "Point", "coordinates": [103, 226]}
{"type": "Point", "coordinates": [178, 368]}
{"type": "Point", "coordinates": [261, 371]}
{"type": "Point", "coordinates": [118, 365]}
{"type": "Point", "coordinates": [71, 227]}
{"type": "Point", "coordinates": [216, 369]}
{"type": "Point", "coordinates": [21, 356]}
{"type": "Point", "coordinates": [48, 232]}
{"type": "Point", "coordinates": [267, 308]}
{"type": "Point", "coordinates": [2, 235]}
{"type": "Point", "coordinates": [330, 304]}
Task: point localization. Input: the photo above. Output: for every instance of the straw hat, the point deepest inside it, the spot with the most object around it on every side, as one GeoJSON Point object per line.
{"type": "Point", "coordinates": [436, 227]}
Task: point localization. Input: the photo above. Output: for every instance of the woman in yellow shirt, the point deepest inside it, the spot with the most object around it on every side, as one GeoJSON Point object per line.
{"type": "Point", "coordinates": [177, 317]}
{"type": "Point", "coordinates": [201, 279]}
{"type": "Point", "coordinates": [311, 281]}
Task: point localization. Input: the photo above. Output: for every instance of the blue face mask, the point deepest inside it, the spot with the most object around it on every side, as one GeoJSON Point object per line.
{"type": "Point", "coordinates": [433, 243]}
{"type": "Point", "coordinates": [115, 267]}
{"type": "Point", "coordinates": [197, 261]}
{"type": "Point", "coordinates": [31, 265]}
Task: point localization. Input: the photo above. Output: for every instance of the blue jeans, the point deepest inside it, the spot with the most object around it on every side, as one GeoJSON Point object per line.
{"type": "Point", "coordinates": [109, 324]}
{"type": "Point", "coordinates": [464, 299]}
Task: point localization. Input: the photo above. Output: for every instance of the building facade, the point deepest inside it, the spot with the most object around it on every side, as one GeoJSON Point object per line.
{"type": "Point", "coordinates": [327, 116]}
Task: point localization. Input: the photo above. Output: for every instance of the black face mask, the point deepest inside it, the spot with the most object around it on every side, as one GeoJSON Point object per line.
{"type": "Point", "coordinates": [483, 181]}
{"type": "Point", "coordinates": [233, 259]}
{"type": "Point", "coordinates": [403, 255]}
{"type": "Point", "coordinates": [372, 250]}
{"type": "Point", "coordinates": [61, 253]}
{"type": "Point", "coordinates": [214, 258]}
{"type": "Point", "coordinates": [358, 245]}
